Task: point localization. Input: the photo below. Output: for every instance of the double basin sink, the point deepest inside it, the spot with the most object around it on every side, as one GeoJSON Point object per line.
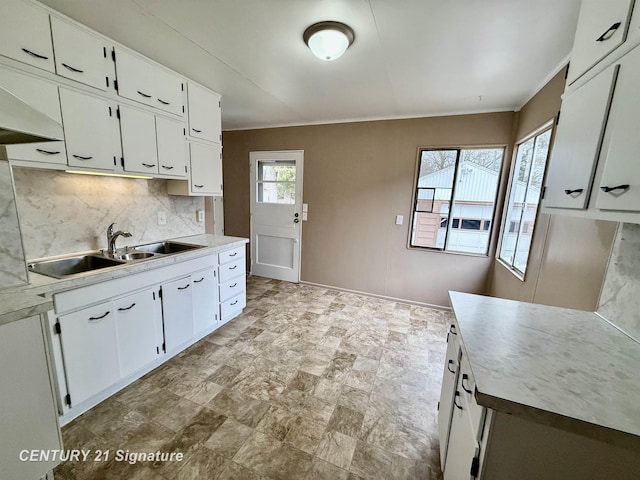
{"type": "Point", "coordinates": [87, 262]}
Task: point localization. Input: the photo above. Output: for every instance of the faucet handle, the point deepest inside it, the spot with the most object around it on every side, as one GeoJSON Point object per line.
{"type": "Point", "coordinates": [110, 228]}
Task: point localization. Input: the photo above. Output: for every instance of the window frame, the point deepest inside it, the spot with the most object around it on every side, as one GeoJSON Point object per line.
{"type": "Point", "coordinates": [449, 216]}
{"type": "Point", "coordinates": [548, 125]}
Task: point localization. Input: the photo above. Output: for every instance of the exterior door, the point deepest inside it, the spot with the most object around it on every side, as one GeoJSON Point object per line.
{"type": "Point", "coordinates": [276, 214]}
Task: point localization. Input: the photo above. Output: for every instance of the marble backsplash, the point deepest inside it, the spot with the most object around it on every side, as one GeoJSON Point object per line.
{"type": "Point", "coordinates": [620, 297]}
{"type": "Point", "coordinates": [63, 213]}
{"type": "Point", "coordinates": [13, 270]}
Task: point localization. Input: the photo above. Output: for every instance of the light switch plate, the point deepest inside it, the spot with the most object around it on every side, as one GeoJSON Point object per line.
{"type": "Point", "coordinates": [399, 219]}
{"type": "Point", "coordinates": [200, 215]}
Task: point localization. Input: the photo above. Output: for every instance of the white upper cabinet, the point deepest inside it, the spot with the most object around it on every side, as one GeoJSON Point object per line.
{"type": "Point", "coordinates": [80, 55]}
{"type": "Point", "coordinates": [138, 133]}
{"type": "Point", "coordinates": [602, 26]}
{"type": "Point", "coordinates": [88, 130]}
{"type": "Point", "coordinates": [577, 143]}
{"type": "Point", "coordinates": [204, 114]}
{"type": "Point", "coordinates": [140, 80]}
{"type": "Point", "coordinates": [206, 169]}
{"type": "Point", "coordinates": [619, 187]}
{"type": "Point", "coordinates": [25, 34]}
{"type": "Point", "coordinates": [172, 147]}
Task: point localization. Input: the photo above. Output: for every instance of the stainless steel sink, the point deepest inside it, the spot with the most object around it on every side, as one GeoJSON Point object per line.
{"type": "Point", "coordinates": [133, 255]}
{"type": "Point", "coordinates": [166, 248]}
{"type": "Point", "coordinates": [64, 267]}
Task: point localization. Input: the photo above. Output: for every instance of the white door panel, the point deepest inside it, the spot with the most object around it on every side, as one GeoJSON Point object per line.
{"type": "Point", "coordinates": [276, 214]}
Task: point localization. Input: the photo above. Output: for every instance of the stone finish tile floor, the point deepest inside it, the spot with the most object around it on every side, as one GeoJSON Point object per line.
{"type": "Point", "coordinates": [308, 383]}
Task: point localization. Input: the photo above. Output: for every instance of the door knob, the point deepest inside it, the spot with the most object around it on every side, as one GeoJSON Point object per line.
{"type": "Point", "coordinates": [296, 220]}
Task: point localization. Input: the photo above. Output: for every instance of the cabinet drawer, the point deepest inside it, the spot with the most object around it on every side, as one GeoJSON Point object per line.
{"type": "Point", "coordinates": [232, 307]}
{"type": "Point", "coordinates": [231, 270]}
{"type": "Point", "coordinates": [232, 288]}
{"type": "Point", "coordinates": [231, 255]}
{"type": "Point", "coordinates": [467, 387]}
{"type": "Point", "coordinates": [45, 152]}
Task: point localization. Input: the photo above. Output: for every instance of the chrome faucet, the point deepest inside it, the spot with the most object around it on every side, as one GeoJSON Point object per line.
{"type": "Point", "coordinates": [112, 237]}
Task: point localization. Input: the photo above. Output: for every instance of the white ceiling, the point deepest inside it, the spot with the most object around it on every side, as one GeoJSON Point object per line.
{"type": "Point", "coordinates": [410, 58]}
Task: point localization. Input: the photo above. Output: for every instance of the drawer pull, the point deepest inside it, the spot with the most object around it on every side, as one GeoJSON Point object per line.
{"type": "Point", "coordinates": [127, 308]}
{"type": "Point", "coordinates": [452, 329]}
{"type": "Point", "coordinates": [455, 398]}
{"type": "Point", "coordinates": [449, 366]}
{"type": "Point", "coordinates": [233, 254]}
{"type": "Point", "coordinates": [609, 33]}
{"type": "Point", "coordinates": [33, 54]}
{"type": "Point", "coordinates": [611, 189]}
{"type": "Point", "coordinates": [198, 281]}
{"type": "Point", "coordinates": [233, 303]}
{"type": "Point", "coordinates": [576, 190]}
{"type": "Point", "coordinates": [465, 377]}
{"type": "Point", "coordinates": [196, 130]}
{"type": "Point", "coordinates": [185, 287]}
{"type": "Point", "coordinates": [80, 157]}
{"type": "Point", "coordinates": [233, 268]}
{"type": "Point", "coordinates": [148, 165]}
{"type": "Point", "coordinates": [93, 319]}
{"type": "Point", "coordinates": [46, 152]}
{"type": "Point", "coordinates": [166, 168]}
{"type": "Point", "coordinates": [198, 186]}
{"type": "Point", "coordinates": [163, 102]}
{"type": "Point", "coordinates": [143, 94]}
{"type": "Point", "coordinates": [77, 70]}
{"type": "Point", "coordinates": [234, 285]}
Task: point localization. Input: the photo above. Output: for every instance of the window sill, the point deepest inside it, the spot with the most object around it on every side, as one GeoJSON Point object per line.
{"type": "Point", "coordinates": [437, 250]}
{"type": "Point", "coordinates": [514, 272]}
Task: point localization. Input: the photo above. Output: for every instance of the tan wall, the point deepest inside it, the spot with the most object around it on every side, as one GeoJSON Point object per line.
{"type": "Point", "coordinates": [357, 177]}
{"type": "Point", "coordinates": [568, 256]}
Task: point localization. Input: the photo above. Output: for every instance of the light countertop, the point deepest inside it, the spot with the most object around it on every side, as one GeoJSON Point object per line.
{"type": "Point", "coordinates": [25, 301]}
{"type": "Point", "coordinates": [565, 368]}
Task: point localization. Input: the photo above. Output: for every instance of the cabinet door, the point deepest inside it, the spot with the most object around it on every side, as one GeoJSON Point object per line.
{"type": "Point", "coordinates": [577, 144]}
{"type": "Point", "coordinates": [463, 446]}
{"type": "Point", "coordinates": [87, 130]}
{"type": "Point", "coordinates": [204, 114]}
{"type": "Point", "coordinates": [137, 321]}
{"type": "Point", "coordinates": [138, 133]}
{"type": "Point", "coordinates": [25, 34]}
{"type": "Point", "coordinates": [205, 300]}
{"type": "Point", "coordinates": [619, 187]}
{"type": "Point", "coordinates": [135, 80]}
{"type": "Point", "coordinates": [167, 91]}
{"type": "Point", "coordinates": [80, 56]}
{"type": "Point", "coordinates": [90, 351]}
{"type": "Point", "coordinates": [177, 312]}
{"type": "Point", "coordinates": [449, 380]}
{"type": "Point", "coordinates": [45, 152]}
{"type": "Point", "coordinates": [206, 169]}
{"type": "Point", "coordinates": [29, 417]}
{"type": "Point", "coordinates": [602, 26]}
{"type": "Point", "coordinates": [172, 147]}
{"type": "Point", "coordinates": [37, 93]}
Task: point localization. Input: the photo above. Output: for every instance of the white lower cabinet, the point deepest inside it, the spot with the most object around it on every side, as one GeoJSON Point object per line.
{"type": "Point", "coordinates": [28, 416]}
{"type": "Point", "coordinates": [449, 381]}
{"type": "Point", "coordinates": [232, 278]}
{"type": "Point", "coordinates": [90, 349]}
{"type": "Point", "coordinates": [205, 300]}
{"type": "Point", "coordinates": [139, 330]}
{"type": "Point", "coordinates": [177, 312]}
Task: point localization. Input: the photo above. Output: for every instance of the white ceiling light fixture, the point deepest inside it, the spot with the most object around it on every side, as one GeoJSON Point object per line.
{"type": "Point", "coordinates": [328, 40]}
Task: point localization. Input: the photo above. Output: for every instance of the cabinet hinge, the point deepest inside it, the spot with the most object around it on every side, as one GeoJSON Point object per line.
{"type": "Point", "coordinates": [219, 103]}
{"type": "Point", "coordinates": [158, 350]}
{"type": "Point", "coordinates": [154, 295]}
{"type": "Point", "coordinates": [107, 81]}
{"type": "Point", "coordinates": [438, 409]}
{"type": "Point", "coordinates": [118, 112]}
{"type": "Point", "coordinates": [475, 467]}
{"type": "Point", "coordinates": [184, 131]}
{"type": "Point", "coordinates": [114, 161]}
{"type": "Point", "coordinates": [104, 51]}
{"type": "Point", "coordinates": [113, 54]}
{"type": "Point", "coordinates": [182, 108]}
{"type": "Point", "coordinates": [57, 328]}
{"type": "Point", "coordinates": [110, 112]}
{"type": "Point", "coordinates": [182, 87]}
{"type": "Point", "coordinates": [164, 347]}
{"type": "Point", "coordinates": [122, 161]}
{"type": "Point", "coordinates": [67, 399]}
{"type": "Point", "coordinates": [160, 293]}
{"type": "Point", "coordinates": [544, 190]}
{"type": "Point", "coordinates": [185, 169]}
{"type": "Point", "coordinates": [115, 85]}
{"type": "Point", "coordinates": [216, 315]}
{"type": "Point", "coordinates": [558, 118]}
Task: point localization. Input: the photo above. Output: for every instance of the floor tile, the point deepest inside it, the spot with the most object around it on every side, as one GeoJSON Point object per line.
{"type": "Point", "coordinates": [336, 448]}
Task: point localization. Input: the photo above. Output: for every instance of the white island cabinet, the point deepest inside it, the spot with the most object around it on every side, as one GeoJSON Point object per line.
{"type": "Point", "coordinates": [539, 393]}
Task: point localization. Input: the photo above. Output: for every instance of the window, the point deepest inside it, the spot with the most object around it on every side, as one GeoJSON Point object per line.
{"type": "Point", "coordinates": [524, 197]}
{"type": "Point", "coordinates": [455, 199]}
{"type": "Point", "coordinates": [276, 181]}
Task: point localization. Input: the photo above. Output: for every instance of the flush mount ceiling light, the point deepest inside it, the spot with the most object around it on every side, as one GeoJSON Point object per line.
{"type": "Point", "coordinates": [328, 40]}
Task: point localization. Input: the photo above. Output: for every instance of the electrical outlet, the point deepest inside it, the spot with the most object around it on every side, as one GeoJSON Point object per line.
{"type": "Point", "coordinates": [200, 215]}
{"type": "Point", "coordinates": [162, 218]}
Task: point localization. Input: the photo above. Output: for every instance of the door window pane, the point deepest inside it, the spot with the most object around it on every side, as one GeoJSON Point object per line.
{"type": "Point", "coordinates": [276, 181]}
